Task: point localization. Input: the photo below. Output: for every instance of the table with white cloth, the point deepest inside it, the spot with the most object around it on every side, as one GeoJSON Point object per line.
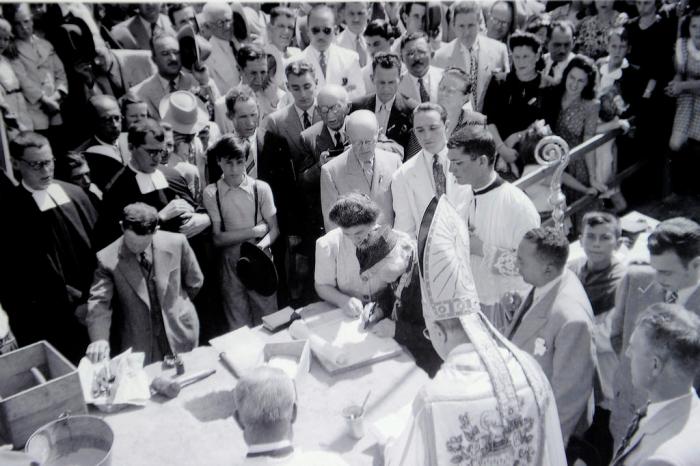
{"type": "Point", "coordinates": [197, 427]}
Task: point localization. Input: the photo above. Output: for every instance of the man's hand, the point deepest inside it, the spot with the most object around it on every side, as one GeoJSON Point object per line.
{"type": "Point", "coordinates": [175, 208]}
{"type": "Point", "coordinates": [201, 74]}
{"type": "Point", "coordinates": [97, 350]}
{"type": "Point", "coordinates": [510, 303]}
{"type": "Point", "coordinates": [352, 307]}
{"type": "Point", "coordinates": [476, 246]}
{"type": "Point", "coordinates": [197, 223]}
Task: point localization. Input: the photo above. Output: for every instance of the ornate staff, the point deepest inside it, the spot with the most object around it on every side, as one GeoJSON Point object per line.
{"type": "Point", "coordinates": [549, 151]}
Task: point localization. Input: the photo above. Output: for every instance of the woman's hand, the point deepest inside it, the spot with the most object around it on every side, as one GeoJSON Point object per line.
{"type": "Point", "coordinates": [509, 154]}
{"type": "Point", "coordinates": [675, 88]}
{"type": "Point", "coordinates": [598, 186]}
{"type": "Point", "coordinates": [352, 307]}
{"type": "Point", "coordinates": [385, 328]}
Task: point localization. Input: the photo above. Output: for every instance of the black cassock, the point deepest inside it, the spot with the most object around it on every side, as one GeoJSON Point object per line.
{"type": "Point", "coordinates": [48, 268]}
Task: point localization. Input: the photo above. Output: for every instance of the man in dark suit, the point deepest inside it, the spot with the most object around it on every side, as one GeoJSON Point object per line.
{"type": "Point", "coordinates": [137, 31]}
{"type": "Point", "coordinates": [554, 324]}
{"type": "Point", "coordinates": [104, 156]}
{"type": "Point", "coordinates": [47, 234]}
{"type": "Point", "coordinates": [673, 277]}
{"type": "Point", "coordinates": [394, 111]}
{"type": "Point", "coordinates": [141, 296]}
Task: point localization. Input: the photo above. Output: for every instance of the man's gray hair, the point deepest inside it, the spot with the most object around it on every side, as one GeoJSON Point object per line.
{"type": "Point", "coordinates": [265, 397]}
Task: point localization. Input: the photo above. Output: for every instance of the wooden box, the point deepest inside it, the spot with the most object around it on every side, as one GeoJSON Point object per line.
{"type": "Point", "coordinates": [298, 351]}
{"type": "Point", "coordinates": [28, 404]}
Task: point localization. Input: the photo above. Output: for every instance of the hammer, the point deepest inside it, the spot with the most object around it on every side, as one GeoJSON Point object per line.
{"type": "Point", "coordinates": [170, 387]}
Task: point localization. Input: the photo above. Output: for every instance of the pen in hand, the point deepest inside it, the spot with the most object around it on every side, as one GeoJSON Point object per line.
{"type": "Point", "coordinates": [369, 314]}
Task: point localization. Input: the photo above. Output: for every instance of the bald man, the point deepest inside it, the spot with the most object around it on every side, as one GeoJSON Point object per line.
{"type": "Point", "coordinates": [104, 156]}
{"type": "Point", "coordinates": [222, 64]}
{"type": "Point", "coordinates": [361, 168]}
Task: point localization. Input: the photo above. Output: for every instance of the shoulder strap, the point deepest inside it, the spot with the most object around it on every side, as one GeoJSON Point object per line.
{"type": "Point", "coordinates": [218, 206]}
{"type": "Point", "coordinates": [255, 194]}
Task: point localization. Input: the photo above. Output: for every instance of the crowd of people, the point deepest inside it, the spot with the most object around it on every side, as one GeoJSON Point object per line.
{"type": "Point", "coordinates": [153, 144]}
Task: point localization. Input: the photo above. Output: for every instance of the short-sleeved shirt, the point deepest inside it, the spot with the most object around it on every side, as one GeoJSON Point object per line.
{"type": "Point", "coordinates": [238, 203]}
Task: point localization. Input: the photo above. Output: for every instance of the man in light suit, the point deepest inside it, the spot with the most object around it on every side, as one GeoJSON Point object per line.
{"type": "Point", "coordinates": [137, 31]}
{"type": "Point", "coordinates": [169, 76]}
{"type": "Point", "coordinates": [141, 296]}
{"type": "Point", "coordinates": [394, 111]}
{"type": "Point", "coordinates": [352, 38]}
{"type": "Point", "coordinates": [222, 64]}
{"type": "Point", "coordinates": [673, 277]}
{"type": "Point", "coordinates": [423, 79]}
{"type": "Point", "coordinates": [414, 185]}
{"type": "Point", "coordinates": [554, 324]}
{"type": "Point", "coordinates": [476, 54]}
{"type": "Point", "coordinates": [664, 351]}
{"type": "Point", "coordinates": [332, 64]}
{"type": "Point", "coordinates": [362, 168]}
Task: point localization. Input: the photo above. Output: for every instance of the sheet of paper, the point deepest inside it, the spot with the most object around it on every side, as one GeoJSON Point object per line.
{"type": "Point", "coordinates": [130, 385]}
{"type": "Point", "coordinates": [391, 426]}
{"type": "Point", "coordinates": [243, 348]}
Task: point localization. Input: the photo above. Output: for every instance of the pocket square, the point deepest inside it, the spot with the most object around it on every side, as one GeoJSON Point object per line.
{"type": "Point", "coordinates": [540, 347]}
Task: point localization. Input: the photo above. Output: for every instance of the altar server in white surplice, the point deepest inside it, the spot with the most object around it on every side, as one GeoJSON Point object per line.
{"type": "Point", "coordinates": [490, 403]}
{"type": "Point", "coordinates": [498, 215]}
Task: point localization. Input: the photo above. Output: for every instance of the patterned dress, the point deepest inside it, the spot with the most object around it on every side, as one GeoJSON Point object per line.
{"type": "Point", "coordinates": [686, 124]}
{"type": "Point", "coordinates": [592, 35]}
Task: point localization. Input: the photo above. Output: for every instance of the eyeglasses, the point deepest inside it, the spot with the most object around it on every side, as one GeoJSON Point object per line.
{"type": "Point", "coordinates": [38, 165]}
{"type": "Point", "coordinates": [416, 53]}
{"type": "Point", "coordinates": [333, 108]}
{"type": "Point", "coordinates": [364, 142]}
{"type": "Point", "coordinates": [223, 22]}
{"type": "Point", "coordinates": [154, 153]}
{"type": "Point", "coordinates": [499, 22]}
{"type": "Point", "coordinates": [317, 30]}
{"type": "Point", "coordinates": [426, 334]}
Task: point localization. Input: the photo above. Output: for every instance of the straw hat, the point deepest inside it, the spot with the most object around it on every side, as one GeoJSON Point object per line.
{"type": "Point", "coordinates": [185, 112]}
{"type": "Point", "coordinates": [194, 49]}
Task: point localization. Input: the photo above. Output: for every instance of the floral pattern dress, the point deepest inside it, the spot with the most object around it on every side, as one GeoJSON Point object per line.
{"type": "Point", "coordinates": [592, 35]}
{"type": "Point", "coordinates": [686, 124]}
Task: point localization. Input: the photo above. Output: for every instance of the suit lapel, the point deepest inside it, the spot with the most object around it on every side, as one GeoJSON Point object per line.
{"type": "Point", "coordinates": [137, 30]}
{"type": "Point", "coordinates": [693, 303]}
{"type": "Point", "coordinates": [130, 268]}
{"type": "Point", "coordinates": [457, 59]}
{"type": "Point", "coordinates": [536, 317]}
{"type": "Point", "coordinates": [324, 141]}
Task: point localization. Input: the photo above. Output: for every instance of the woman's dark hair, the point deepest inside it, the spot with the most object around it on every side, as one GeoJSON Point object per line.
{"type": "Point", "coordinates": [587, 65]}
{"type": "Point", "coordinates": [351, 210]}
{"type": "Point", "coordinates": [524, 39]}
{"type": "Point", "coordinates": [381, 28]}
{"type": "Point", "coordinates": [685, 22]}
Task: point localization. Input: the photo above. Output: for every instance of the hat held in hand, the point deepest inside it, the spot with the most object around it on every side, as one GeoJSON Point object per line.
{"type": "Point", "coordinates": [256, 270]}
{"type": "Point", "coordinates": [184, 111]}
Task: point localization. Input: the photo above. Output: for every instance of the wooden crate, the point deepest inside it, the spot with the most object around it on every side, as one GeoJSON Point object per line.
{"type": "Point", "coordinates": [27, 405]}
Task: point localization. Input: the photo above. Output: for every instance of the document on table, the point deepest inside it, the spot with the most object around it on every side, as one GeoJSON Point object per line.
{"type": "Point", "coordinates": [390, 426]}
{"type": "Point", "coordinates": [243, 348]}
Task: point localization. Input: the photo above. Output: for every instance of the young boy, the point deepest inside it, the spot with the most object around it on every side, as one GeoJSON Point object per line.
{"type": "Point", "coordinates": [241, 209]}
{"type": "Point", "coordinates": [600, 273]}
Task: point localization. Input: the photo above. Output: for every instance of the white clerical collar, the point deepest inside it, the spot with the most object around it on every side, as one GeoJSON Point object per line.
{"type": "Point", "coordinates": [493, 183]}
{"type": "Point", "coordinates": [654, 408]}
{"type": "Point", "coordinates": [378, 104]}
{"type": "Point", "coordinates": [272, 446]}
{"type": "Point", "coordinates": [149, 182]}
{"type": "Point", "coordinates": [46, 199]}
{"type": "Point", "coordinates": [543, 290]}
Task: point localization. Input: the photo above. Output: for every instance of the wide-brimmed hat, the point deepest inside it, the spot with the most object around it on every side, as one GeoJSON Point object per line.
{"type": "Point", "coordinates": [184, 111]}
{"type": "Point", "coordinates": [256, 270]}
{"type": "Point", "coordinates": [194, 49]}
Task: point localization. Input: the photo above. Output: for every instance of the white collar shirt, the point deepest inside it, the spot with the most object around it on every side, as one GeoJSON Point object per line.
{"type": "Point", "coordinates": [49, 198]}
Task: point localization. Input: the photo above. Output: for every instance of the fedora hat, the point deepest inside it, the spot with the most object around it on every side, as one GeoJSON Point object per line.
{"type": "Point", "coordinates": [185, 112]}
{"type": "Point", "coordinates": [256, 270]}
{"type": "Point", "coordinates": [194, 49]}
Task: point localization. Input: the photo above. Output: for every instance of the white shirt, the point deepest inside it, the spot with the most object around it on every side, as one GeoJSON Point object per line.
{"type": "Point", "coordinates": [426, 82]}
{"type": "Point", "coordinates": [253, 142]}
{"type": "Point", "coordinates": [149, 182]}
{"type": "Point", "coordinates": [46, 199]}
{"type": "Point", "coordinates": [310, 112]}
{"type": "Point", "coordinates": [543, 290]}
{"type": "Point", "coordinates": [654, 408]}
{"type": "Point", "coordinates": [428, 159]}
{"type": "Point", "coordinates": [558, 67]}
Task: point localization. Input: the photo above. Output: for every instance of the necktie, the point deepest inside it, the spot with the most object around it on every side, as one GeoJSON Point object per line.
{"type": "Point", "coordinates": [322, 62]}
{"type": "Point", "coordinates": [439, 177]}
{"type": "Point", "coordinates": [474, 73]}
{"type": "Point", "coordinates": [307, 121]}
{"type": "Point", "coordinates": [339, 141]}
{"type": "Point", "coordinates": [369, 171]}
{"type": "Point", "coordinates": [670, 297]}
{"type": "Point", "coordinates": [523, 310]}
{"type": "Point", "coordinates": [361, 51]}
{"type": "Point", "coordinates": [631, 430]}
{"type": "Point", "coordinates": [234, 50]}
{"type": "Point", "coordinates": [172, 87]}
{"type": "Point", "coordinates": [424, 96]}
{"type": "Point", "coordinates": [250, 160]}
{"type": "Point", "coordinates": [550, 73]}
{"type": "Point", "coordinates": [159, 342]}
{"type": "Point", "coordinates": [154, 27]}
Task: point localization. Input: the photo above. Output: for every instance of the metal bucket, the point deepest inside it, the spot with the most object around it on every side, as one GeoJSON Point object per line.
{"type": "Point", "coordinates": [72, 441]}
